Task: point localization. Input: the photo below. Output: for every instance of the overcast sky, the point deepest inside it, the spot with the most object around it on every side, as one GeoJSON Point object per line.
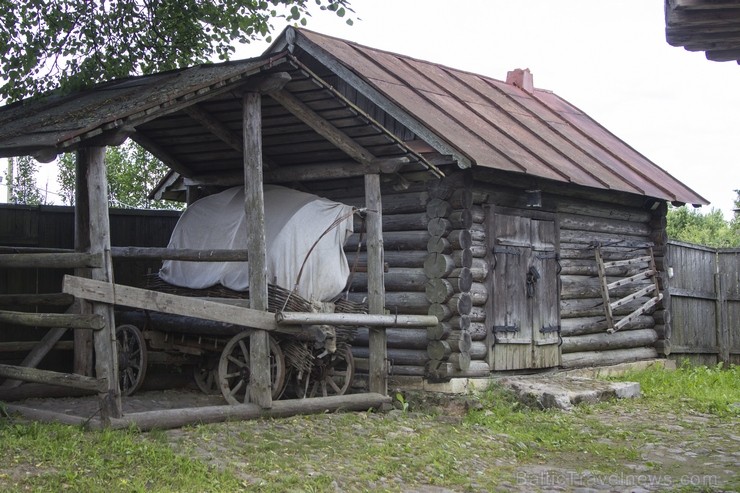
{"type": "Point", "coordinates": [610, 59]}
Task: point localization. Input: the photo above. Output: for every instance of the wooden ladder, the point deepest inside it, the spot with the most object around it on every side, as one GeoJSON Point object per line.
{"type": "Point", "coordinates": [652, 290]}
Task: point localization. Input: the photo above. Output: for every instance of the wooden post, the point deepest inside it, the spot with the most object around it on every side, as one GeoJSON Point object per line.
{"type": "Point", "coordinates": [106, 354]}
{"type": "Point", "coordinates": [375, 285]}
{"type": "Point", "coordinates": [723, 333]}
{"type": "Point", "coordinates": [254, 205]}
{"type": "Point", "coordinates": [83, 339]}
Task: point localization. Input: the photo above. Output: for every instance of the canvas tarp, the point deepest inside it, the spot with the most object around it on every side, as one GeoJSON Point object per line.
{"type": "Point", "coordinates": [294, 222]}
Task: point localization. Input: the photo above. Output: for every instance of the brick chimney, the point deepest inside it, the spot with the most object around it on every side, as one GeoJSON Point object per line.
{"type": "Point", "coordinates": [521, 78]}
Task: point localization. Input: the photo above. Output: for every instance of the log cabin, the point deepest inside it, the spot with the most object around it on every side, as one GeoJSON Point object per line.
{"type": "Point", "coordinates": [530, 233]}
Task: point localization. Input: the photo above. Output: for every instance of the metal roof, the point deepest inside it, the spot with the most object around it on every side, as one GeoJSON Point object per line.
{"type": "Point", "coordinates": [498, 125]}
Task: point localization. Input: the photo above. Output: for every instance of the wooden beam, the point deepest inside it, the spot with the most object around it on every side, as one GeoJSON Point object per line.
{"type": "Point", "coordinates": [119, 294]}
{"type": "Point", "coordinates": [52, 320]}
{"type": "Point", "coordinates": [104, 340]}
{"type": "Point", "coordinates": [215, 126]}
{"type": "Point", "coordinates": [42, 299]}
{"type": "Point", "coordinates": [161, 154]}
{"type": "Point", "coordinates": [52, 377]}
{"type": "Point", "coordinates": [723, 55]}
{"type": "Point", "coordinates": [254, 208]}
{"type": "Point", "coordinates": [83, 361]}
{"type": "Point", "coordinates": [360, 319]}
{"type": "Point", "coordinates": [156, 253]}
{"type": "Point", "coordinates": [50, 260]}
{"type": "Point", "coordinates": [267, 83]}
{"type": "Point", "coordinates": [37, 353]}
{"type": "Point", "coordinates": [323, 127]}
{"type": "Point", "coordinates": [378, 372]}
{"type": "Point", "coordinates": [306, 172]}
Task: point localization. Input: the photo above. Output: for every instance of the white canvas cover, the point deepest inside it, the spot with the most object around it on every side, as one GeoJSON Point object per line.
{"type": "Point", "coordinates": [294, 221]}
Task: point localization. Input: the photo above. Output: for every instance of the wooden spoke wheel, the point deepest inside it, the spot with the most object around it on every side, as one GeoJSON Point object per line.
{"type": "Point", "coordinates": [205, 374]}
{"type": "Point", "coordinates": [234, 373]}
{"type": "Point", "coordinates": [331, 375]}
{"type": "Point", "coordinates": [132, 358]}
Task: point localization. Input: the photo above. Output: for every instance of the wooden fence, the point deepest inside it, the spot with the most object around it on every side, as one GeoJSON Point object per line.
{"type": "Point", "coordinates": [703, 299]}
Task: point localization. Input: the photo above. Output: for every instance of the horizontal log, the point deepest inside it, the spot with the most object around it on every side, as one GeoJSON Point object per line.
{"type": "Point", "coordinates": [478, 331]}
{"type": "Point", "coordinates": [589, 237]}
{"type": "Point", "coordinates": [593, 325]}
{"type": "Point", "coordinates": [477, 369]}
{"type": "Point", "coordinates": [603, 358]}
{"type": "Point", "coordinates": [463, 258]}
{"type": "Point", "coordinates": [442, 312]}
{"type": "Point", "coordinates": [21, 346]}
{"type": "Point", "coordinates": [438, 290]}
{"type": "Point", "coordinates": [460, 341]}
{"type": "Point", "coordinates": [191, 255]}
{"type": "Point", "coordinates": [71, 260]}
{"type": "Point", "coordinates": [52, 320]}
{"type": "Point", "coordinates": [437, 244]}
{"type": "Point", "coordinates": [574, 287]}
{"type": "Point", "coordinates": [362, 364]}
{"type": "Point", "coordinates": [461, 198]}
{"type": "Point", "coordinates": [588, 267]}
{"type": "Point", "coordinates": [43, 299]}
{"type": "Point", "coordinates": [437, 370]}
{"type": "Point", "coordinates": [358, 319]}
{"type": "Point", "coordinates": [438, 265]}
{"type": "Point", "coordinates": [477, 273]}
{"type": "Point", "coordinates": [393, 240]}
{"type": "Point", "coordinates": [477, 314]}
{"type": "Point", "coordinates": [54, 378]}
{"type": "Point", "coordinates": [439, 350]}
{"type": "Point", "coordinates": [394, 258]}
{"type": "Point", "coordinates": [404, 222]}
{"type": "Point", "coordinates": [439, 226]}
{"type": "Point", "coordinates": [583, 251]}
{"type": "Point", "coordinates": [461, 219]}
{"type": "Point", "coordinates": [410, 303]}
{"type": "Point", "coordinates": [460, 238]}
{"type": "Point", "coordinates": [24, 249]}
{"type": "Point", "coordinates": [396, 279]}
{"type": "Point", "coordinates": [592, 307]}
{"type": "Point", "coordinates": [604, 341]}
{"type": "Point", "coordinates": [478, 294]}
{"type": "Point", "coordinates": [569, 205]}
{"type": "Point", "coordinates": [440, 331]}
{"type": "Point", "coordinates": [603, 225]}
{"type": "Point", "coordinates": [415, 357]}
{"type": "Point", "coordinates": [460, 322]}
{"type": "Point", "coordinates": [460, 361]}
{"type": "Point", "coordinates": [461, 303]}
{"type": "Point", "coordinates": [478, 349]}
{"type": "Point", "coordinates": [461, 279]}
{"type": "Point", "coordinates": [438, 208]}
{"type": "Point", "coordinates": [393, 203]}
{"type": "Point", "coordinates": [479, 250]}
{"type": "Point", "coordinates": [405, 338]}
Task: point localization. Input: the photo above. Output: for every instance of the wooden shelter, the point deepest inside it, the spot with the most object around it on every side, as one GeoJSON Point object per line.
{"type": "Point", "coordinates": [518, 233]}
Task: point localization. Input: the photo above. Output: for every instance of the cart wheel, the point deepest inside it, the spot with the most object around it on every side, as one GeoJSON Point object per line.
{"type": "Point", "coordinates": [206, 375]}
{"type": "Point", "coordinates": [131, 358]}
{"type": "Point", "coordinates": [233, 369]}
{"type": "Point", "coordinates": [331, 375]}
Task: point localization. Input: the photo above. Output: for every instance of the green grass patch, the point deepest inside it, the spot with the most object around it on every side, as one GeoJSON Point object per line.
{"type": "Point", "coordinates": [713, 390]}
{"type": "Point", "coordinates": [54, 457]}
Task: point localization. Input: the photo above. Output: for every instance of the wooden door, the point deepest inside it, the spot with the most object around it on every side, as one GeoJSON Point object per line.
{"type": "Point", "coordinates": [523, 311]}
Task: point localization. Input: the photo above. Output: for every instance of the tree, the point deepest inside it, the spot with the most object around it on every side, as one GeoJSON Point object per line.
{"type": "Point", "coordinates": [132, 174]}
{"type": "Point", "coordinates": [76, 43]}
{"type": "Point", "coordinates": [704, 229]}
{"type": "Point", "coordinates": [22, 180]}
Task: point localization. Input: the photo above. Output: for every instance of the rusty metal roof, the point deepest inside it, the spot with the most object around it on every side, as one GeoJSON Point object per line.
{"type": "Point", "coordinates": [495, 124]}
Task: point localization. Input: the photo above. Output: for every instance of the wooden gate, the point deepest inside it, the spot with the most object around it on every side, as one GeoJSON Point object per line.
{"type": "Point", "coordinates": [524, 313]}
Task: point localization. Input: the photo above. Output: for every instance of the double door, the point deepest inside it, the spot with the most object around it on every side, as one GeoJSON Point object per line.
{"type": "Point", "coordinates": [523, 311]}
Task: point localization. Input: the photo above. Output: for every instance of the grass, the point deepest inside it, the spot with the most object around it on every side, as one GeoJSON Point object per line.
{"type": "Point", "coordinates": [483, 448]}
{"type": "Point", "coordinates": [713, 390]}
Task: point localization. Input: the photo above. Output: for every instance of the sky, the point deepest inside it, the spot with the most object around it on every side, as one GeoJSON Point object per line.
{"type": "Point", "coordinates": [610, 59]}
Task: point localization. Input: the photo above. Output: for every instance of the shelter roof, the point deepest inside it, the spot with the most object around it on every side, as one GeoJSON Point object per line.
{"type": "Point", "coordinates": [339, 102]}
{"type": "Point", "coordinates": [711, 26]}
